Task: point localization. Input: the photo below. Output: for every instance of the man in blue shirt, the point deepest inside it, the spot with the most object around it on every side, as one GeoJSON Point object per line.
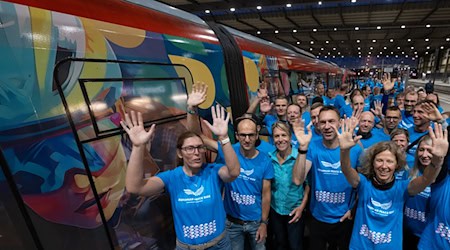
{"type": "Point", "coordinates": [331, 196]}
{"type": "Point", "coordinates": [411, 98]}
{"type": "Point", "coordinates": [370, 136]}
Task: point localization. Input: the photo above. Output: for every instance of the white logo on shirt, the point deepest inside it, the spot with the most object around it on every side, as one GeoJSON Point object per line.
{"type": "Point", "coordinates": [384, 206]}
{"type": "Point", "coordinates": [247, 172]}
{"type": "Point", "coordinates": [331, 165]}
{"type": "Point", "coordinates": [196, 193]}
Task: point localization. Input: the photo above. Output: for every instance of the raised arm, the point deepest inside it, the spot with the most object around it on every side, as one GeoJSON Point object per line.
{"type": "Point", "coordinates": [232, 168]}
{"type": "Point", "coordinates": [346, 142]}
{"type": "Point", "coordinates": [134, 180]}
{"type": "Point", "coordinates": [262, 93]}
{"type": "Point", "coordinates": [195, 98]}
{"type": "Point", "coordinates": [438, 148]}
{"type": "Point", "coordinates": [301, 166]}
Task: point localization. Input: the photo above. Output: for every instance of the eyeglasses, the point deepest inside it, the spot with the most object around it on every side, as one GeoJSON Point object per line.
{"type": "Point", "coordinates": [392, 118]}
{"type": "Point", "coordinates": [191, 149]}
{"type": "Point", "coordinates": [243, 136]}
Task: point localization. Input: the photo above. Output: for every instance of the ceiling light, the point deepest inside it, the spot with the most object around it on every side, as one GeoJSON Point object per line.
{"type": "Point", "coordinates": [398, 47]}
{"type": "Point", "coordinates": [381, 52]}
{"type": "Point", "coordinates": [258, 32]}
{"type": "Point", "coordinates": [378, 27]}
{"type": "Point", "coordinates": [442, 47]}
{"type": "Point", "coordinates": [396, 56]}
{"type": "Point", "coordinates": [276, 31]}
{"type": "Point", "coordinates": [232, 9]}
{"type": "Point", "coordinates": [416, 55]}
{"type": "Point", "coordinates": [384, 47]}
{"type": "Point", "coordinates": [387, 55]}
{"type": "Point", "coordinates": [391, 40]}
{"type": "Point", "coordinates": [428, 25]}
{"type": "Point", "coordinates": [317, 56]}
{"type": "Point", "coordinates": [414, 58]}
{"type": "Point", "coordinates": [339, 53]}
{"type": "Point", "coordinates": [412, 47]}
{"type": "Point", "coordinates": [374, 41]}
{"type": "Point", "coordinates": [406, 56]}
{"type": "Point", "coordinates": [356, 28]}
{"type": "Point", "coordinates": [329, 53]}
{"type": "Point", "coordinates": [326, 56]}
{"type": "Point", "coordinates": [392, 52]}
{"type": "Point", "coordinates": [334, 56]}
{"type": "Point", "coordinates": [334, 48]}
{"type": "Point", "coordinates": [409, 39]}
{"type": "Point", "coordinates": [403, 26]}
{"type": "Point", "coordinates": [327, 41]}
{"type": "Point", "coordinates": [415, 52]}
{"type": "Point", "coordinates": [314, 30]}
{"type": "Point", "coordinates": [312, 42]}
{"type": "Point", "coordinates": [295, 31]}
{"type": "Point", "coordinates": [298, 42]}
{"type": "Point", "coordinates": [359, 56]}
{"type": "Point", "coordinates": [359, 52]}
{"type": "Point", "coordinates": [378, 56]}
{"type": "Point", "coordinates": [370, 52]}
{"type": "Point", "coordinates": [353, 1]}
{"type": "Point", "coordinates": [321, 48]}
{"type": "Point", "coordinates": [358, 41]}
{"type": "Point", "coordinates": [426, 52]}
{"type": "Point", "coordinates": [207, 11]}
{"type": "Point", "coordinates": [447, 39]}
{"type": "Point", "coordinates": [320, 2]}
{"type": "Point", "coordinates": [371, 47]}
{"type": "Point", "coordinates": [403, 52]}
{"type": "Point", "coordinates": [258, 7]}
{"type": "Point", "coordinates": [288, 5]}
{"type": "Point", "coordinates": [335, 29]}
{"type": "Point", "coordinates": [359, 48]}
{"type": "Point", "coordinates": [427, 39]}
{"type": "Point", "coordinates": [310, 48]}
{"type": "Point", "coordinates": [342, 56]}
{"type": "Point", "coordinates": [428, 47]}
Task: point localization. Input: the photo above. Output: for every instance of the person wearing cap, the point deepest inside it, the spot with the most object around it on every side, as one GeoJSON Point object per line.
{"type": "Point", "coordinates": [247, 199]}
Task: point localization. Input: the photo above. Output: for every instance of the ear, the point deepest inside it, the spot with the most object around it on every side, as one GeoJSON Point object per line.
{"type": "Point", "coordinates": [179, 154]}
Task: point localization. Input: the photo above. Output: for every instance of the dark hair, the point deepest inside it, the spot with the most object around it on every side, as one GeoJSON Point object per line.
{"type": "Point", "coordinates": [393, 108]}
{"type": "Point", "coordinates": [316, 105]}
{"type": "Point", "coordinates": [295, 104]}
{"type": "Point", "coordinates": [369, 155]}
{"type": "Point", "coordinates": [354, 92]}
{"type": "Point", "coordinates": [316, 100]}
{"type": "Point", "coordinates": [180, 142]}
{"type": "Point", "coordinates": [437, 98]}
{"type": "Point", "coordinates": [330, 108]}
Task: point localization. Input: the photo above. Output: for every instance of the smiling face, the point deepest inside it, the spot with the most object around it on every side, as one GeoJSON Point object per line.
{"type": "Point", "coordinates": [392, 119]}
{"type": "Point", "coordinates": [424, 154]}
{"type": "Point", "coordinates": [401, 140]}
{"type": "Point", "coordinates": [281, 138]}
{"type": "Point", "coordinates": [410, 101]}
{"type": "Point", "coordinates": [247, 134]}
{"type": "Point", "coordinates": [384, 165]}
{"type": "Point", "coordinates": [281, 106]}
{"type": "Point", "coordinates": [328, 119]}
{"type": "Point", "coordinates": [293, 113]}
{"type": "Point", "coordinates": [419, 119]}
{"type": "Point", "coordinates": [302, 101]}
{"type": "Point", "coordinates": [366, 122]}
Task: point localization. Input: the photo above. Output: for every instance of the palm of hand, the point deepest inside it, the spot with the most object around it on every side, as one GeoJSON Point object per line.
{"type": "Point", "coordinates": [139, 136]}
{"type": "Point", "coordinates": [265, 107]}
{"type": "Point", "coordinates": [440, 147]}
{"type": "Point", "coordinates": [195, 98]}
{"type": "Point", "coordinates": [346, 140]}
{"type": "Point", "coordinates": [220, 127]}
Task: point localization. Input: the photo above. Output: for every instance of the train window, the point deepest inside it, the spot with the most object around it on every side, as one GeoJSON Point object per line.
{"type": "Point", "coordinates": [158, 91]}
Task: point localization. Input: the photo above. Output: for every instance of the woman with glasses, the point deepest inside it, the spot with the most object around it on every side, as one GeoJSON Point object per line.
{"type": "Point", "coordinates": [288, 199]}
{"type": "Point", "coordinates": [194, 187]}
{"type": "Point", "coordinates": [379, 220]}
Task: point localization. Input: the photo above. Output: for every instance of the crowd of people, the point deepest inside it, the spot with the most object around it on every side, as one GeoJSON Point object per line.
{"type": "Point", "coordinates": [360, 170]}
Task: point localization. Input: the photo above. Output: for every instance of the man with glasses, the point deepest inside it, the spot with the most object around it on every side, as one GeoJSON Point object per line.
{"type": "Point", "coordinates": [391, 119]}
{"type": "Point", "coordinates": [411, 98]}
{"type": "Point", "coordinates": [247, 199]}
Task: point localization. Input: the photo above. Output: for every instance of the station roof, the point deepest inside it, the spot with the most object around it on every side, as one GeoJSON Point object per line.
{"type": "Point", "coordinates": [410, 28]}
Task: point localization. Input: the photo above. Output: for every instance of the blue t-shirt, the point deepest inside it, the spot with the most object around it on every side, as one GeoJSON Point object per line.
{"type": "Point", "coordinates": [306, 117]}
{"type": "Point", "coordinates": [407, 121]}
{"type": "Point", "coordinates": [197, 205]}
{"type": "Point", "coordinates": [379, 216]}
{"type": "Point", "coordinates": [243, 196]}
{"type": "Point", "coordinates": [377, 136]}
{"type": "Point", "coordinates": [413, 136]}
{"type": "Point", "coordinates": [436, 234]}
{"type": "Point", "coordinates": [331, 194]}
{"type": "Point", "coordinates": [263, 146]}
{"type": "Point", "coordinates": [416, 211]}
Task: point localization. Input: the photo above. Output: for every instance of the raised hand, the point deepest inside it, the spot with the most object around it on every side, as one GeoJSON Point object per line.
{"type": "Point", "coordinates": [198, 94]}
{"type": "Point", "coordinates": [431, 112]}
{"type": "Point", "coordinates": [346, 139]}
{"type": "Point", "coordinates": [134, 127]}
{"type": "Point", "coordinates": [264, 105]}
{"type": "Point", "coordinates": [262, 92]}
{"type": "Point", "coordinates": [220, 121]}
{"type": "Point", "coordinates": [356, 115]}
{"type": "Point", "coordinates": [299, 131]}
{"type": "Point", "coordinates": [388, 83]}
{"type": "Point", "coordinates": [378, 108]}
{"type": "Point", "coordinates": [439, 144]}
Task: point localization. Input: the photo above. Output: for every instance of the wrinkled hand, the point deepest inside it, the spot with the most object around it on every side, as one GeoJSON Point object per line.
{"type": "Point", "coordinates": [299, 131]}
{"type": "Point", "coordinates": [431, 112]}
{"type": "Point", "coordinates": [198, 94]}
{"type": "Point", "coordinates": [220, 121]}
{"type": "Point", "coordinates": [439, 144]}
{"type": "Point", "coordinates": [378, 108]}
{"type": "Point", "coordinates": [134, 127]}
{"type": "Point", "coordinates": [388, 83]}
{"type": "Point", "coordinates": [346, 139]}
{"type": "Point", "coordinates": [297, 213]}
{"type": "Point", "coordinates": [347, 216]}
{"type": "Point", "coordinates": [261, 234]}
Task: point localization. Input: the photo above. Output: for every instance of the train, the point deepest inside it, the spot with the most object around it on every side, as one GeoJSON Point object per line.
{"type": "Point", "coordinates": [69, 72]}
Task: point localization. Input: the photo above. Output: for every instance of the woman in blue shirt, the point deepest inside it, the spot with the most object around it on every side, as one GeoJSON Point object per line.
{"type": "Point", "coordinates": [288, 199]}
{"type": "Point", "coordinates": [378, 220]}
{"type": "Point", "coordinates": [194, 188]}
